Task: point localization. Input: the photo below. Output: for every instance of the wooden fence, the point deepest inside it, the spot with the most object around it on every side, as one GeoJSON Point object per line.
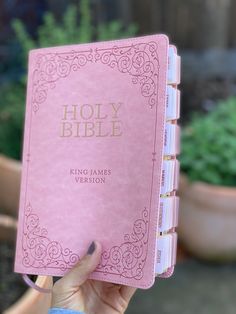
{"type": "Point", "coordinates": [192, 24]}
{"type": "Point", "coordinates": [208, 26]}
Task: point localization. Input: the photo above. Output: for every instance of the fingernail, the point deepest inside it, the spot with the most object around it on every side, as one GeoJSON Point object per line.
{"type": "Point", "coordinates": [91, 248]}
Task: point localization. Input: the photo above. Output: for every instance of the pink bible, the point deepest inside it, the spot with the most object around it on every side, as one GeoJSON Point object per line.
{"type": "Point", "coordinates": [99, 160]}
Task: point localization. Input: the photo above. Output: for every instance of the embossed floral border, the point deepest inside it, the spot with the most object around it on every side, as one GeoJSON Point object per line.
{"type": "Point", "coordinates": [138, 60]}
{"type": "Point", "coordinates": [126, 260]}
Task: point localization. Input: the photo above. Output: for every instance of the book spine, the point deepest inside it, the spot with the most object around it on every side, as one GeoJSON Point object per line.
{"type": "Point", "coordinates": [169, 201]}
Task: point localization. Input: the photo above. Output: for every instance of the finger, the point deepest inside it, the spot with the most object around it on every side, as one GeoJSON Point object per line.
{"type": "Point", "coordinates": [127, 292]}
{"type": "Point", "coordinates": [80, 272]}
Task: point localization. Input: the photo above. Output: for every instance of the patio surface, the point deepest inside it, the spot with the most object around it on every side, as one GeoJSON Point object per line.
{"type": "Point", "coordinates": [195, 288]}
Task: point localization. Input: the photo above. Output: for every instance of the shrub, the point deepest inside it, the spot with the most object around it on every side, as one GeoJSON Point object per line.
{"type": "Point", "coordinates": [209, 146]}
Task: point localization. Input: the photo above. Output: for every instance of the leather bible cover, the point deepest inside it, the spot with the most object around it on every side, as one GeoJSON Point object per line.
{"type": "Point", "coordinates": [92, 158]}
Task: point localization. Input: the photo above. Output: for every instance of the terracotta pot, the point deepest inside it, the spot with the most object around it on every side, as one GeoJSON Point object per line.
{"type": "Point", "coordinates": [33, 302]}
{"type": "Point", "coordinates": [8, 227]}
{"type": "Point", "coordinates": [10, 176]}
{"type": "Point", "coordinates": [207, 220]}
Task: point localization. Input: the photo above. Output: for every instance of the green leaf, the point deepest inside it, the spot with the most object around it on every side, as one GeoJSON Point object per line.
{"type": "Point", "coordinates": [208, 145]}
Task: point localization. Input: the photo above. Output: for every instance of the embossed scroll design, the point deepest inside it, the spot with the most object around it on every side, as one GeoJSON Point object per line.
{"type": "Point", "coordinates": [138, 60]}
{"type": "Point", "coordinates": [41, 252]}
{"type": "Point", "coordinates": [51, 67]}
{"type": "Point", "coordinates": [128, 259]}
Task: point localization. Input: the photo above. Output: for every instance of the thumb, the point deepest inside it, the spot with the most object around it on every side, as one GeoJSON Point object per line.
{"type": "Point", "coordinates": [80, 272]}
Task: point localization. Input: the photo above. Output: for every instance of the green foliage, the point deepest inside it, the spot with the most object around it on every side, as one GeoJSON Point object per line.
{"type": "Point", "coordinates": [114, 30]}
{"type": "Point", "coordinates": [69, 31]}
{"type": "Point", "coordinates": [209, 146]}
{"type": "Point", "coordinates": [11, 119]}
{"type": "Point", "coordinates": [75, 27]}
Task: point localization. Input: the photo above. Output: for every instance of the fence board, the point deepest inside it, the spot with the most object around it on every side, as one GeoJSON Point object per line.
{"type": "Point", "coordinates": [232, 25]}
{"type": "Point", "coordinates": [192, 24]}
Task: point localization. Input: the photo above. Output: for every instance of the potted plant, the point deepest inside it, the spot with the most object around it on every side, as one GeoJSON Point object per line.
{"type": "Point", "coordinates": [207, 224]}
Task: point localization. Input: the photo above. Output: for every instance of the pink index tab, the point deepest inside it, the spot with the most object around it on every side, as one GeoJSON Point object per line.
{"type": "Point", "coordinates": [170, 176]}
{"type": "Point", "coordinates": [163, 244]}
{"type": "Point", "coordinates": [173, 75]}
{"type": "Point", "coordinates": [166, 252]}
{"type": "Point", "coordinates": [172, 103]}
{"type": "Point", "coordinates": [168, 217]}
{"type": "Point", "coordinates": [172, 139]}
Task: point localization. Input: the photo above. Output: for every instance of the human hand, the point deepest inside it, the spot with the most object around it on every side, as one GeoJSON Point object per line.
{"type": "Point", "coordinates": [76, 292]}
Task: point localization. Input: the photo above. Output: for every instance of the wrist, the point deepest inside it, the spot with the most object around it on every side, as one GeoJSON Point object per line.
{"type": "Point", "coordinates": [57, 310]}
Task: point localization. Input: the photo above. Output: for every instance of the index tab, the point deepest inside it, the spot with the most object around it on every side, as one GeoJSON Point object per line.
{"type": "Point", "coordinates": [168, 217]}
{"type": "Point", "coordinates": [172, 139]}
{"type": "Point", "coordinates": [172, 103]}
{"type": "Point", "coordinates": [173, 75]}
{"type": "Point", "coordinates": [166, 252]}
{"type": "Point", "coordinates": [170, 176]}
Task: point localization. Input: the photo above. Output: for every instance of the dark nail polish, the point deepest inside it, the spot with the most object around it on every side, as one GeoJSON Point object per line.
{"type": "Point", "coordinates": [91, 248]}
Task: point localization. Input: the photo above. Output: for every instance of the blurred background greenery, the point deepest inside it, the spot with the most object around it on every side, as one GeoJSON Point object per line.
{"type": "Point", "coordinates": [204, 32]}
{"type": "Point", "coordinates": [71, 29]}
{"type": "Point", "coordinates": [209, 145]}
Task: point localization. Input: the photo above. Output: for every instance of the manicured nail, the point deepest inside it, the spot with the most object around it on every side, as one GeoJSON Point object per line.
{"type": "Point", "coordinates": [91, 248]}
